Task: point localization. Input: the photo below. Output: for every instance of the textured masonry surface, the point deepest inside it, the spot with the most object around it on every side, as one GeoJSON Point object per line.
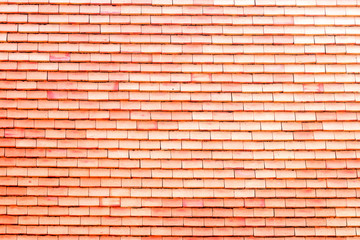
{"type": "Point", "coordinates": [179, 119]}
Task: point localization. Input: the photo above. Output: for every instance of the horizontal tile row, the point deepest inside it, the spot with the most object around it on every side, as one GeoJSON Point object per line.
{"type": "Point", "coordinates": [83, 90]}
{"type": "Point", "coordinates": [195, 29]}
{"type": "Point", "coordinates": [77, 129]}
{"type": "Point", "coordinates": [158, 187]}
{"type": "Point", "coordinates": [88, 166]}
{"type": "Point", "coordinates": [156, 139]}
{"type": "Point", "coordinates": [176, 154]}
{"type": "Point", "coordinates": [218, 35]}
{"type": "Point", "coordinates": [86, 169]}
{"type": "Point", "coordinates": [279, 198]}
{"type": "Point", "coordinates": [269, 214]}
{"type": "Point", "coordinates": [300, 98]}
{"type": "Point", "coordinates": [185, 19]}
{"type": "Point", "coordinates": [180, 68]}
{"type": "Point", "coordinates": [81, 78]}
{"type": "Point", "coordinates": [203, 51]}
{"type": "Point", "coordinates": [111, 196]}
{"type": "Point", "coordinates": [94, 237]}
{"type": "Point", "coordinates": [294, 131]}
{"type": "Point", "coordinates": [143, 137]}
{"type": "Point", "coordinates": [179, 211]}
{"type": "Point", "coordinates": [239, 109]}
{"type": "Point", "coordinates": [158, 221]}
{"type": "Point", "coordinates": [135, 197]}
{"type": "Point", "coordinates": [179, 7]}
{"type": "Point", "coordinates": [180, 145]}
{"type": "Point", "coordinates": [242, 121]}
{"type": "Point", "coordinates": [154, 187]}
{"type": "Point", "coordinates": [179, 231]}
{"type": "Point", "coordinates": [100, 61]}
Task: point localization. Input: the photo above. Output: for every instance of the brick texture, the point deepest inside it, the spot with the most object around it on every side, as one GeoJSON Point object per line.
{"type": "Point", "coordinates": [179, 119]}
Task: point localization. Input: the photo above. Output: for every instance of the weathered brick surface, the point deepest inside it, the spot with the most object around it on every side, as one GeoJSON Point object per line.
{"type": "Point", "coordinates": [179, 119]}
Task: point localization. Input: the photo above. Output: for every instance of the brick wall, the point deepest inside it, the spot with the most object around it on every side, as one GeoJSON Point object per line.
{"type": "Point", "coordinates": [179, 119]}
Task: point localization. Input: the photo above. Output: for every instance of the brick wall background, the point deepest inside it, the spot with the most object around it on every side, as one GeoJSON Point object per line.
{"type": "Point", "coordinates": [179, 119]}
